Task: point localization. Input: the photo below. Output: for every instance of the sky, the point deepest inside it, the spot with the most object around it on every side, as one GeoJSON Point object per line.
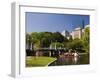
{"type": "Point", "coordinates": [53, 22]}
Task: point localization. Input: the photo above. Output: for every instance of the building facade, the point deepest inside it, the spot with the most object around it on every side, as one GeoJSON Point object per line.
{"type": "Point", "coordinates": [66, 34]}
{"type": "Point", "coordinates": [78, 32]}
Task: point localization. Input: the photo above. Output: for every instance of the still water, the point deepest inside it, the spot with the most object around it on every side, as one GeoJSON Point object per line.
{"type": "Point", "coordinates": [63, 60]}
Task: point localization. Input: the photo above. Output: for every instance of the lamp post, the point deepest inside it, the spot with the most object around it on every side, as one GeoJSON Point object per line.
{"type": "Point", "coordinates": [51, 45]}
{"type": "Point", "coordinates": [32, 44]}
{"type": "Point", "coordinates": [50, 48]}
{"type": "Point", "coordinates": [55, 45]}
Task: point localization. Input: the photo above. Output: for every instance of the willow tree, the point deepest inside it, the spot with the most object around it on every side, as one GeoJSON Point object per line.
{"type": "Point", "coordinates": [28, 40]}
{"type": "Point", "coordinates": [86, 39]}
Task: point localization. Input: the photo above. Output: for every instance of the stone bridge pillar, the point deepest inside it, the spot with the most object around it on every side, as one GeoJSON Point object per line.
{"type": "Point", "coordinates": [50, 53]}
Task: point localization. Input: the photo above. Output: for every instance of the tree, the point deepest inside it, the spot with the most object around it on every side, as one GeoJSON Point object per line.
{"type": "Point", "coordinates": [86, 39]}
{"type": "Point", "coordinates": [35, 41]}
{"type": "Point", "coordinates": [45, 38]}
{"type": "Point", "coordinates": [76, 44]}
{"type": "Point", "coordinates": [58, 37]}
{"type": "Point", "coordinates": [57, 45]}
{"type": "Point", "coordinates": [37, 45]}
{"type": "Point", "coordinates": [28, 40]}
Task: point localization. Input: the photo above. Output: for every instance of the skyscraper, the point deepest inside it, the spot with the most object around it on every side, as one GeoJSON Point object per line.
{"type": "Point", "coordinates": [66, 34]}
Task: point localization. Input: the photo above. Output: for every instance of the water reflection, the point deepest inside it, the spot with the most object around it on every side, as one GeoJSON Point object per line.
{"type": "Point", "coordinates": [75, 60]}
{"type": "Point", "coordinates": [66, 60]}
{"type": "Point", "coordinates": [71, 60]}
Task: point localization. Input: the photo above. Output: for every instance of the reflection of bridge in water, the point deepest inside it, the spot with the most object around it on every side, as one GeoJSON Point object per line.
{"type": "Point", "coordinates": [51, 51]}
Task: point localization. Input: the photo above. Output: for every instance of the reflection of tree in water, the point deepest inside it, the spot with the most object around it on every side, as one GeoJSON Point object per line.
{"type": "Point", "coordinates": [67, 60]}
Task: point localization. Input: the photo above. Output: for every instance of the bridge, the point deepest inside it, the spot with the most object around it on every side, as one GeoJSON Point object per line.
{"type": "Point", "coordinates": [51, 51]}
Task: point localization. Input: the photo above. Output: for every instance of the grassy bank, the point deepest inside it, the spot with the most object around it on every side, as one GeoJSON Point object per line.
{"type": "Point", "coordinates": [32, 61]}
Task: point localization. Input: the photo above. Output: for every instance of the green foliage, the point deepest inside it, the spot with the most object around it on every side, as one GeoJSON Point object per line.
{"type": "Point", "coordinates": [80, 44]}
{"type": "Point", "coordinates": [76, 44]}
{"type": "Point", "coordinates": [57, 37]}
{"type": "Point", "coordinates": [44, 39]}
{"type": "Point", "coordinates": [47, 39]}
{"type": "Point", "coordinates": [86, 39]}
{"type": "Point", "coordinates": [28, 40]}
{"type": "Point", "coordinates": [37, 45]}
{"type": "Point", "coordinates": [57, 44]}
{"type": "Point", "coordinates": [86, 35]}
